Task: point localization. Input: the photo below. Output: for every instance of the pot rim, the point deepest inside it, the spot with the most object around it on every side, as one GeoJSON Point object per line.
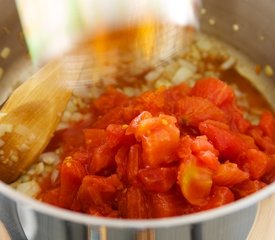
{"type": "Point", "coordinates": [82, 218]}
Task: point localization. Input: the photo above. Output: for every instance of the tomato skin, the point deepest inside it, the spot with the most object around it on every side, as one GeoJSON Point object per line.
{"type": "Point", "coordinates": [193, 110]}
{"type": "Point", "coordinates": [195, 182]}
{"type": "Point", "coordinates": [214, 90]}
{"type": "Point", "coordinates": [71, 174]}
{"type": "Point", "coordinates": [134, 204]}
{"type": "Point", "coordinates": [219, 197]}
{"type": "Point", "coordinates": [228, 174]}
{"type": "Point", "coordinates": [158, 179]}
{"type": "Point", "coordinates": [160, 138]}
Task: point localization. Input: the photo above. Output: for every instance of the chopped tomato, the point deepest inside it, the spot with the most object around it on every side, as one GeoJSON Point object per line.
{"type": "Point", "coordinates": [184, 150]}
{"type": "Point", "coordinates": [229, 144]}
{"type": "Point", "coordinates": [235, 118]}
{"type": "Point", "coordinates": [267, 124]}
{"type": "Point", "coordinates": [205, 152]}
{"type": "Point", "coordinates": [103, 157]}
{"type": "Point", "coordinates": [169, 204]}
{"type": "Point", "coordinates": [136, 121]}
{"type": "Point", "coordinates": [269, 176]}
{"type": "Point", "coordinates": [265, 143]}
{"type": "Point", "coordinates": [247, 187]}
{"type": "Point", "coordinates": [160, 138]}
{"type": "Point", "coordinates": [195, 182]}
{"type": "Point", "coordinates": [51, 197]}
{"type": "Point", "coordinates": [109, 100]}
{"type": "Point", "coordinates": [214, 90]}
{"type": "Point", "coordinates": [164, 153]}
{"type": "Point", "coordinates": [94, 137]}
{"type": "Point", "coordinates": [173, 94]}
{"type": "Point", "coordinates": [72, 139]}
{"type": "Point", "coordinates": [115, 134]}
{"type": "Point", "coordinates": [152, 101]}
{"type": "Point", "coordinates": [219, 197]}
{"type": "Point", "coordinates": [255, 163]}
{"type": "Point", "coordinates": [71, 176]}
{"type": "Point", "coordinates": [229, 174]}
{"type": "Point", "coordinates": [114, 116]}
{"type": "Point", "coordinates": [158, 179]}
{"type": "Point", "coordinates": [193, 110]}
{"type": "Point", "coordinates": [96, 191]}
{"type": "Point", "coordinates": [134, 204]}
{"type": "Point", "coordinates": [200, 148]}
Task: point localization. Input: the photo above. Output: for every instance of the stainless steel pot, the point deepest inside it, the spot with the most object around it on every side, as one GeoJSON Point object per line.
{"type": "Point", "coordinates": [26, 218]}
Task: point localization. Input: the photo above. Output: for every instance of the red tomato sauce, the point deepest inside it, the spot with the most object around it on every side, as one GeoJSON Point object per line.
{"type": "Point", "coordinates": [164, 153]}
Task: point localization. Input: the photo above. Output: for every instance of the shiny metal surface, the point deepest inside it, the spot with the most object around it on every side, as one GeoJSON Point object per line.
{"type": "Point", "coordinates": [255, 38]}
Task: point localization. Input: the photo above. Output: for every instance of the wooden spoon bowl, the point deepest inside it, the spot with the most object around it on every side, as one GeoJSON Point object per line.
{"type": "Point", "coordinates": [31, 115]}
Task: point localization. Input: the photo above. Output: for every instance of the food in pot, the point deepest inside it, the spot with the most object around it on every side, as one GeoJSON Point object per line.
{"type": "Point", "coordinates": [173, 140]}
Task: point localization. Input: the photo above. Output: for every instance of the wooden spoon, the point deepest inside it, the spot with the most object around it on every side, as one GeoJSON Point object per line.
{"type": "Point", "coordinates": [31, 115]}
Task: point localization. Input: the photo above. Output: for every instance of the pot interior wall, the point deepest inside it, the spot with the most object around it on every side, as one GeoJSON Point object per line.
{"type": "Point", "coordinates": [248, 26]}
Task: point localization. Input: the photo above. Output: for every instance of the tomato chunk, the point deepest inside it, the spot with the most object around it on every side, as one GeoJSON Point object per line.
{"type": "Point", "coordinates": [255, 163]}
{"type": "Point", "coordinates": [169, 204]}
{"type": "Point", "coordinates": [160, 138]}
{"type": "Point", "coordinates": [228, 174]}
{"type": "Point", "coordinates": [94, 137]}
{"type": "Point", "coordinates": [229, 144]}
{"type": "Point", "coordinates": [110, 99]}
{"type": "Point", "coordinates": [134, 204]}
{"type": "Point", "coordinates": [97, 191]}
{"type": "Point", "coordinates": [71, 176]}
{"type": "Point", "coordinates": [195, 182]}
{"type": "Point", "coordinates": [103, 157]}
{"type": "Point", "coordinates": [115, 134]}
{"type": "Point", "coordinates": [219, 197]}
{"type": "Point", "coordinates": [200, 148]}
{"type": "Point", "coordinates": [193, 110]}
{"type": "Point", "coordinates": [247, 187]}
{"type": "Point", "coordinates": [214, 90]}
{"type": "Point", "coordinates": [158, 179]}
{"type": "Point", "coordinates": [267, 124]}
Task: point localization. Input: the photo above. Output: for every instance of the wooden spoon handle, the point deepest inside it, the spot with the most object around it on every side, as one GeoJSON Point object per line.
{"type": "Point", "coordinates": [263, 226]}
